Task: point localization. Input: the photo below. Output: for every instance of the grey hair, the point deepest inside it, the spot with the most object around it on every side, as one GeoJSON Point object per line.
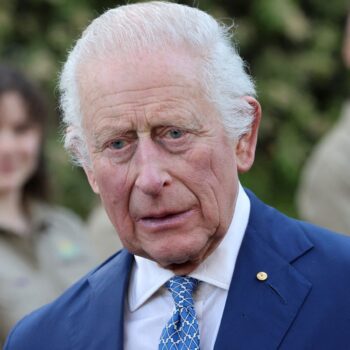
{"type": "Point", "coordinates": [151, 26]}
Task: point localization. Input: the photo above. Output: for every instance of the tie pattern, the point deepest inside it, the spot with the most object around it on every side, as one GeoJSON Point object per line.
{"type": "Point", "coordinates": [182, 331]}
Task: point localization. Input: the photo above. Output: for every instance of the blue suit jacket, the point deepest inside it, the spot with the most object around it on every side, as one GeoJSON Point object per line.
{"type": "Point", "coordinates": [304, 303]}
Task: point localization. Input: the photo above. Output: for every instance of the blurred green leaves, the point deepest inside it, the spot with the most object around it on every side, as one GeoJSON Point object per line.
{"type": "Point", "coordinates": [292, 48]}
{"type": "Point", "coordinates": [281, 17]}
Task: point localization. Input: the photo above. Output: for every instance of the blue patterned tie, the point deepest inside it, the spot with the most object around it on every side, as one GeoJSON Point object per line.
{"type": "Point", "coordinates": [181, 332]}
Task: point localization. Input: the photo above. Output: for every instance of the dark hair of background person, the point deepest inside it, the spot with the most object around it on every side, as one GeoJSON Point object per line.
{"type": "Point", "coordinates": [12, 80]}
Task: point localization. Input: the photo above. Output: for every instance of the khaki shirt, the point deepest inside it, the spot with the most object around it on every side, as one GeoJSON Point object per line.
{"type": "Point", "coordinates": [35, 269]}
{"type": "Point", "coordinates": [101, 234]}
{"type": "Point", "coordinates": [324, 191]}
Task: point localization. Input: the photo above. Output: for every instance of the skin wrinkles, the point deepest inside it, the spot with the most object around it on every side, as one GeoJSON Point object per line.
{"type": "Point", "coordinates": [170, 195]}
{"type": "Point", "coordinates": [215, 226]}
{"type": "Point", "coordinates": [113, 126]}
{"type": "Point", "coordinates": [213, 239]}
{"type": "Point", "coordinates": [94, 98]}
{"type": "Point", "coordinates": [112, 107]}
{"type": "Point", "coordinates": [91, 97]}
{"type": "Point", "coordinates": [157, 113]}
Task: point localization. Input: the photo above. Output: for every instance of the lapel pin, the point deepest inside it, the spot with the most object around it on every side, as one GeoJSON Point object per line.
{"type": "Point", "coordinates": [261, 276]}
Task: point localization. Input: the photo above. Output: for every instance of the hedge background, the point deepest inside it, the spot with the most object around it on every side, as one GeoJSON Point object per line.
{"type": "Point", "coordinates": [292, 47]}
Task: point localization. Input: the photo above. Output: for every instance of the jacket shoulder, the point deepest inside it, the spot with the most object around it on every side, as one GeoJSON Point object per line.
{"type": "Point", "coordinates": [299, 241]}
{"type": "Point", "coordinates": [35, 331]}
{"type": "Point", "coordinates": [51, 324]}
{"type": "Point", "coordinates": [332, 247]}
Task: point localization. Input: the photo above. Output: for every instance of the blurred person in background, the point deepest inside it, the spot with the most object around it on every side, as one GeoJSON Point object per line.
{"type": "Point", "coordinates": [323, 196]}
{"type": "Point", "coordinates": [42, 248]}
{"type": "Point", "coordinates": [102, 234]}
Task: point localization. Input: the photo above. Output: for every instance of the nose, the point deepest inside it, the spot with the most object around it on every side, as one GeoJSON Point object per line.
{"type": "Point", "coordinates": [152, 174]}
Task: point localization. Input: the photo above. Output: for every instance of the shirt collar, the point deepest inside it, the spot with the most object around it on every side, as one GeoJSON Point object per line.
{"type": "Point", "coordinates": [217, 269]}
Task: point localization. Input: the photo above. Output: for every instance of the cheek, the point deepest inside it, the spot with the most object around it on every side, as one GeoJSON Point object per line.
{"type": "Point", "coordinates": [115, 190]}
{"type": "Point", "coordinates": [30, 144]}
{"type": "Point", "coordinates": [210, 170]}
{"type": "Point", "coordinates": [199, 177]}
{"type": "Point", "coordinates": [113, 187]}
{"type": "Point", "coordinates": [214, 182]}
{"type": "Point", "coordinates": [224, 168]}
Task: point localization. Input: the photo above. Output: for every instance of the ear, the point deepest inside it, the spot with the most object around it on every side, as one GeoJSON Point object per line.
{"type": "Point", "coordinates": [91, 178]}
{"type": "Point", "coordinates": [74, 144]}
{"type": "Point", "coordinates": [245, 147]}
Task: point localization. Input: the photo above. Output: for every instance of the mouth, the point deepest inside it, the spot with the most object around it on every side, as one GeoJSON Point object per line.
{"type": "Point", "coordinates": [7, 168]}
{"type": "Point", "coordinates": [164, 220]}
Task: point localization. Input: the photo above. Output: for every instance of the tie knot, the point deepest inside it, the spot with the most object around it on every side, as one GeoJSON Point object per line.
{"type": "Point", "coordinates": [181, 288]}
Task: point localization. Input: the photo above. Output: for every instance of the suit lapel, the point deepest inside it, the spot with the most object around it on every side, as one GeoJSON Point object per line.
{"type": "Point", "coordinates": [258, 313]}
{"type": "Point", "coordinates": [102, 325]}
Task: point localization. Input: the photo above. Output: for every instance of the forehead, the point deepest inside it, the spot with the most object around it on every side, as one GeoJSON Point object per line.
{"type": "Point", "coordinates": [158, 83]}
{"type": "Point", "coordinates": [12, 108]}
{"type": "Point", "coordinates": [140, 68]}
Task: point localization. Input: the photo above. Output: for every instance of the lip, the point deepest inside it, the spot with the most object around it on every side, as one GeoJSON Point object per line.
{"type": "Point", "coordinates": [7, 168]}
{"type": "Point", "coordinates": [164, 221]}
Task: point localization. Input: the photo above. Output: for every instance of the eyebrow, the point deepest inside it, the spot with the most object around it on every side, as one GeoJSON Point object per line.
{"type": "Point", "coordinates": [108, 132]}
{"type": "Point", "coordinates": [118, 128]}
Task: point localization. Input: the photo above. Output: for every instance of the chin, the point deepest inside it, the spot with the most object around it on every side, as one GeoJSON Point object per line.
{"type": "Point", "coordinates": [176, 255]}
{"type": "Point", "coordinates": [181, 262]}
{"type": "Point", "coordinates": [9, 187]}
{"type": "Point", "coordinates": [183, 269]}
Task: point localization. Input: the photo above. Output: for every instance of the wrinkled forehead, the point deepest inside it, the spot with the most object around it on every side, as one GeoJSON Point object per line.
{"type": "Point", "coordinates": [138, 69]}
{"type": "Point", "coordinates": [136, 75]}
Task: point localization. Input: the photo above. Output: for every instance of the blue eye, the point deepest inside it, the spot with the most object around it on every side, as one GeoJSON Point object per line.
{"type": "Point", "coordinates": [118, 144]}
{"type": "Point", "coordinates": [176, 133]}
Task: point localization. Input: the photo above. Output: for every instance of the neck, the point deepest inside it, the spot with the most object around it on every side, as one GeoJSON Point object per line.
{"type": "Point", "coordinates": [12, 213]}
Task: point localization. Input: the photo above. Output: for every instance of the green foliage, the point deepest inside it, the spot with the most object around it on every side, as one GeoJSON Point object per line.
{"type": "Point", "coordinates": [292, 48]}
{"type": "Point", "coordinates": [294, 52]}
{"type": "Point", "coordinates": [71, 188]}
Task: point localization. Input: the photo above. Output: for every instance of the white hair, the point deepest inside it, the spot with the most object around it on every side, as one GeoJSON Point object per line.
{"type": "Point", "coordinates": [160, 25]}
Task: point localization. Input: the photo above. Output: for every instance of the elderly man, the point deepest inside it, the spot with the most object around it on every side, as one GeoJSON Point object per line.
{"type": "Point", "coordinates": [162, 117]}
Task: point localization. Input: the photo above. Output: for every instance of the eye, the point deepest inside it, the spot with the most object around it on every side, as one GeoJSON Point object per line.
{"type": "Point", "coordinates": [23, 128]}
{"type": "Point", "coordinates": [118, 144]}
{"type": "Point", "coordinates": [175, 133]}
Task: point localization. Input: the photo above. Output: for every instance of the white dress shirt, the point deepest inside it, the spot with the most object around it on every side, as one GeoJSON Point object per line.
{"type": "Point", "coordinates": [149, 305]}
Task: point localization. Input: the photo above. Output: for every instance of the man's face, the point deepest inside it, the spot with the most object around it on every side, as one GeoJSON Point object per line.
{"type": "Point", "coordinates": [160, 159]}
